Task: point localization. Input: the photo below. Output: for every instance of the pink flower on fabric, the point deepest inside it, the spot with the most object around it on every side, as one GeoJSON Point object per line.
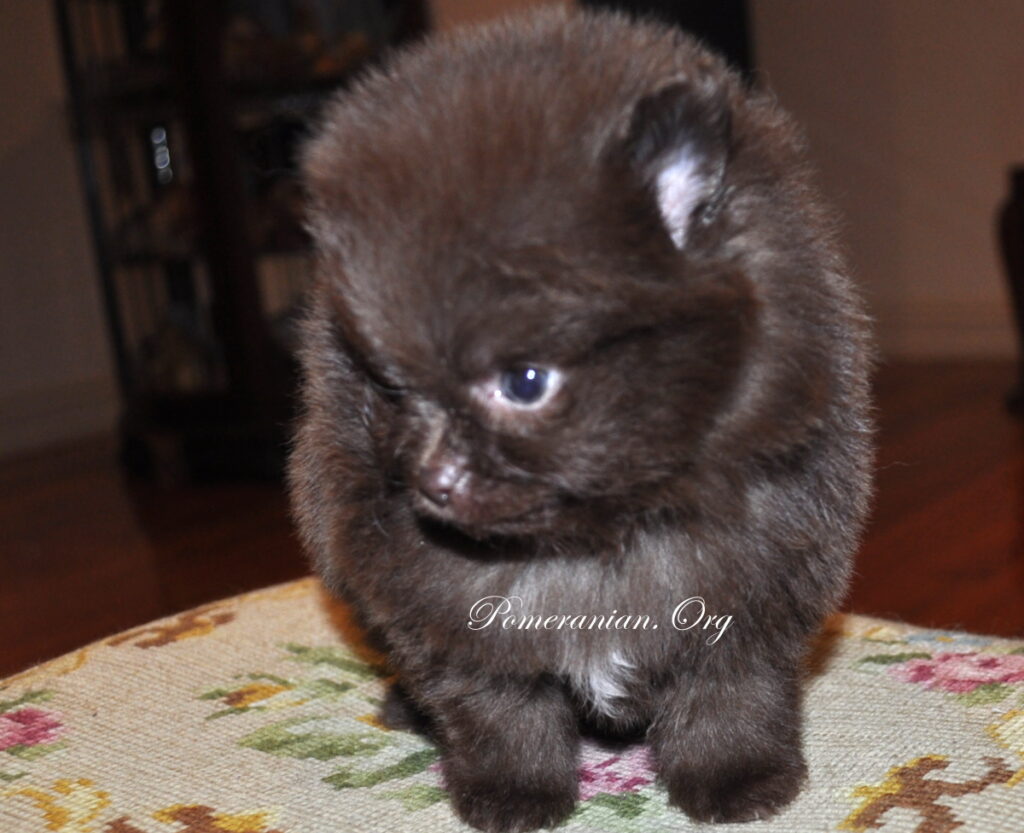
{"type": "Point", "coordinates": [29, 726]}
{"type": "Point", "coordinates": [961, 673]}
{"type": "Point", "coordinates": [617, 774]}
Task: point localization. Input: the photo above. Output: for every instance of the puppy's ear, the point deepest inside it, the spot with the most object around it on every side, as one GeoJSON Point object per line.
{"type": "Point", "coordinates": [677, 144]}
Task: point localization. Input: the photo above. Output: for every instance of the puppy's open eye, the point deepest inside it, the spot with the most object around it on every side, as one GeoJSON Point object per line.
{"type": "Point", "coordinates": [527, 386]}
{"type": "Point", "coordinates": [524, 385]}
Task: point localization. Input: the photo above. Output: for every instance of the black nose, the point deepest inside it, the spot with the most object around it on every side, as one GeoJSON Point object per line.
{"type": "Point", "coordinates": [437, 481]}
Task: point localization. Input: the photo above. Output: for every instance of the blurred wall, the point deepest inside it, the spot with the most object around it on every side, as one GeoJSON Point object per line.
{"type": "Point", "coordinates": [914, 109]}
{"type": "Point", "coordinates": [56, 380]}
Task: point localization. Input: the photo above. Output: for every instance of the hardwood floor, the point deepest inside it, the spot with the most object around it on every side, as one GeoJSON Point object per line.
{"type": "Point", "coordinates": [83, 554]}
{"type": "Point", "coordinates": [945, 546]}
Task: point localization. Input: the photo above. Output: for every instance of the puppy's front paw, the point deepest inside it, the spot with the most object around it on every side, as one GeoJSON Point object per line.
{"type": "Point", "coordinates": [501, 806]}
{"type": "Point", "coordinates": [744, 790]}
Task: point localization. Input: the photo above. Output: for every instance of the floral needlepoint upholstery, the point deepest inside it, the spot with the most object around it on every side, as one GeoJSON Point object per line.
{"type": "Point", "coordinates": [257, 715]}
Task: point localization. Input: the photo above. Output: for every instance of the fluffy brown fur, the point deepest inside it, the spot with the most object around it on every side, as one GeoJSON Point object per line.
{"type": "Point", "coordinates": [494, 201]}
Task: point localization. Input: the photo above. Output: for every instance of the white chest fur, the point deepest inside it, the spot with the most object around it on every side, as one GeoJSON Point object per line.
{"type": "Point", "coordinates": [602, 680]}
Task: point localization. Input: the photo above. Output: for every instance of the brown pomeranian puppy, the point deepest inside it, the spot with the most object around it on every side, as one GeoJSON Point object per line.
{"type": "Point", "coordinates": [586, 431]}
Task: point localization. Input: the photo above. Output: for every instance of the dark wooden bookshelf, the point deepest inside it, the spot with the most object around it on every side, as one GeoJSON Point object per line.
{"type": "Point", "coordinates": [187, 119]}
